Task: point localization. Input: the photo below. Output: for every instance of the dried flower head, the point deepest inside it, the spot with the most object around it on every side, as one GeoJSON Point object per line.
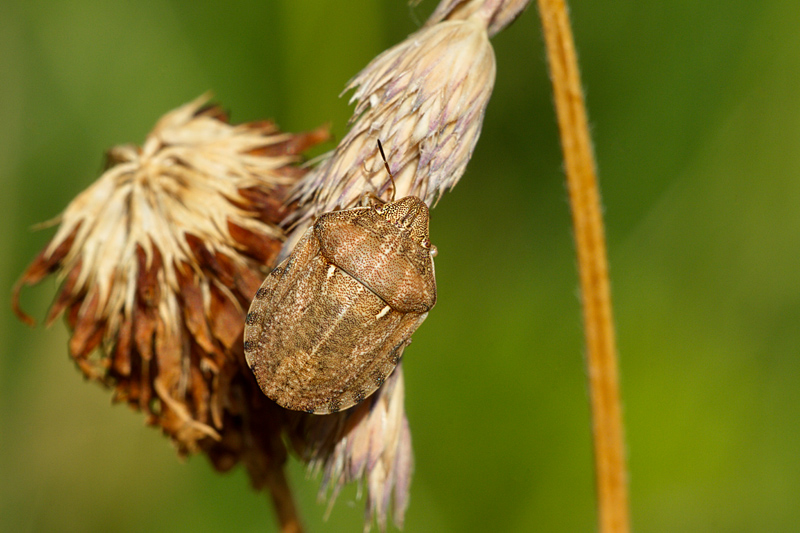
{"type": "Point", "coordinates": [371, 441]}
{"type": "Point", "coordinates": [159, 257]}
{"type": "Point", "coordinates": [424, 99]}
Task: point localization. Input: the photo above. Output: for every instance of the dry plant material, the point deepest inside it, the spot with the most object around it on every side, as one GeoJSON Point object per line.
{"type": "Point", "coordinates": [584, 194]}
{"type": "Point", "coordinates": [369, 442]}
{"type": "Point", "coordinates": [424, 99]}
{"type": "Point", "coordinates": [158, 260]}
{"type": "Point", "coordinates": [495, 15]}
{"type": "Point", "coordinates": [330, 322]}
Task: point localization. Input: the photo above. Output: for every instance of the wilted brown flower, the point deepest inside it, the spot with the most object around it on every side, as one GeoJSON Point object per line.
{"type": "Point", "coordinates": [158, 259]}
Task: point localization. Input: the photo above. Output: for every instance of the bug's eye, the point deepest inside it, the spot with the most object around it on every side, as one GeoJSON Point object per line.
{"type": "Point", "coordinates": [426, 243]}
{"type": "Point", "coordinates": [379, 210]}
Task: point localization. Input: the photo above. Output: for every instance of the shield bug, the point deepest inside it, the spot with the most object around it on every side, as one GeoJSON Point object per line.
{"type": "Point", "coordinates": [330, 322]}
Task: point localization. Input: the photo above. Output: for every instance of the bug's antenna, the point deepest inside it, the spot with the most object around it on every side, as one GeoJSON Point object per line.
{"type": "Point", "coordinates": [385, 164]}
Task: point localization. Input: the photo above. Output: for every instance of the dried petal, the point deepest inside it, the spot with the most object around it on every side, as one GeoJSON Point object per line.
{"type": "Point", "coordinates": [47, 262]}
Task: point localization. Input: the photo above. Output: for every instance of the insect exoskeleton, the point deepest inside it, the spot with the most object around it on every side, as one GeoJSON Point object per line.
{"type": "Point", "coordinates": [330, 322]}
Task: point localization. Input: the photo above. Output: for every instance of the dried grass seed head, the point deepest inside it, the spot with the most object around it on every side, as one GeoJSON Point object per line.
{"type": "Point", "coordinates": [370, 442]}
{"type": "Point", "coordinates": [424, 99]}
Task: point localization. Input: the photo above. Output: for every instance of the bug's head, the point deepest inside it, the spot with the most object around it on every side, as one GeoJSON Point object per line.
{"type": "Point", "coordinates": [409, 214]}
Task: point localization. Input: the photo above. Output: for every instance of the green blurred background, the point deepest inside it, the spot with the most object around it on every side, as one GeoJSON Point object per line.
{"type": "Point", "coordinates": [695, 109]}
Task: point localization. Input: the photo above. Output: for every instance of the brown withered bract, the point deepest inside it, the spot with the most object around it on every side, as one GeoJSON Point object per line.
{"type": "Point", "coordinates": [329, 324]}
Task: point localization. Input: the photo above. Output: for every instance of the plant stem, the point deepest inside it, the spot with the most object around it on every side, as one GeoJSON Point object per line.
{"type": "Point", "coordinates": [584, 195]}
{"type": "Point", "coordinates": [283, 501]}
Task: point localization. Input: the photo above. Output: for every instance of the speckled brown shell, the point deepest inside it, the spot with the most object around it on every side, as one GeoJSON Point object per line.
{"type": "Point", "coordinates": [329, 324]}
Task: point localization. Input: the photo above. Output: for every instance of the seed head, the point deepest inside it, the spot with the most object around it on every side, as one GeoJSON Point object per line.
{"type": "Point", "coordinates": [159, 257]}
{"type": "Point", "coordinates": [370, 442]}
{"type": "Point", "coordinates": [424, 99]}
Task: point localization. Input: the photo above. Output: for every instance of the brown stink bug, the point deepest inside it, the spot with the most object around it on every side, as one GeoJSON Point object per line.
{"type": "Point", "coordinates": [330, 322]}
